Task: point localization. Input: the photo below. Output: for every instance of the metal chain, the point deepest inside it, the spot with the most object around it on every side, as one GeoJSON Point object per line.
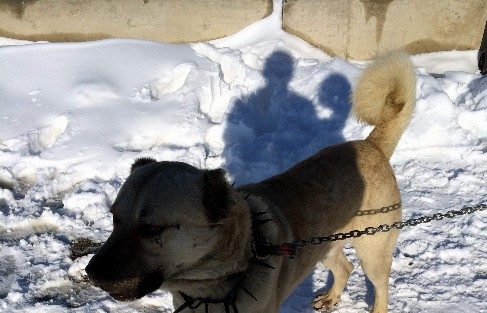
{"type": "Point", "coordinates": [387, 227]}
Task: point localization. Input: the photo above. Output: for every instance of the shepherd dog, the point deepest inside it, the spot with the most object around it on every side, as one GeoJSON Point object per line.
{"type": "Point", "coordinates": [222, 249]}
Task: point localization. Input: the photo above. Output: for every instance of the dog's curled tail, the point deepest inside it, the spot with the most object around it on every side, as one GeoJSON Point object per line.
{"type": "Point", "coordinates": [385, 96]}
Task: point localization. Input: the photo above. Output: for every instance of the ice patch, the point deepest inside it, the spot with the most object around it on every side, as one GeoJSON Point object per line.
{"type": "Point", "coordinates": [214, 99]}
{"type": "Point", "coordinates": [24, 173]}
{"type": "Point", "coordinates": [414, 248]}
{"type": "Point", "coordinates": [6, 180]}
{"type": "Point", "coordinates": [226, 80]}
{"type": "Point", "coordinates": [44, 138]}
{"type": "Point", "coordinates": [172, 82]}
{"type": "Point", "coordinates": [17, 230]}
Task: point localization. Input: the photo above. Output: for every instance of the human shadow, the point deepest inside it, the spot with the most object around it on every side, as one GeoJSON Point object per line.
{"type": "Point", "coordinates": [275, 127]}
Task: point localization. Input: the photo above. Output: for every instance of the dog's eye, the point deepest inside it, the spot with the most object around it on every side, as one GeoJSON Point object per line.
{"type": "Point", "coordinates": [151, 230]}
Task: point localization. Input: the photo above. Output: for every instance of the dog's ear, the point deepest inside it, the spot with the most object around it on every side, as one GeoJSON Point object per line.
{"type": "Point", "coordinates": [141, 162]}
{"type": "Point", "coordinates": [217, 198]}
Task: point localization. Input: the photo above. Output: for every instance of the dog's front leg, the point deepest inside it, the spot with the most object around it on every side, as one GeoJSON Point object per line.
{"type": "Point", "coordinates": [341, 268]}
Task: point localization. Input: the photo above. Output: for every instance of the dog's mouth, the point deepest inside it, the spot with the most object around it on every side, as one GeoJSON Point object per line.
{"type": "Point", "coordinates": [123, 296]}
{"type": "Point", "coordinates": [149, 284]}
{"type": "Point", "coordinates": [130, 289]}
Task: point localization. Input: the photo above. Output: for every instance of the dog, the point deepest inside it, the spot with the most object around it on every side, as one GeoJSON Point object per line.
{"type": "Point", "coordinates": [189, 231]}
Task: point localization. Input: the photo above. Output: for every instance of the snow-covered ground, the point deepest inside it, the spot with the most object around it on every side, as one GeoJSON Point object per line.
{"type": "Point", "coordinates": [74, 116]}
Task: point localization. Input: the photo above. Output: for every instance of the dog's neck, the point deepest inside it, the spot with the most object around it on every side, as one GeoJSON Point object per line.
{"type": "Point", "coordinates": [229, 301]}
{"type": "Point", "coordinates": [228, 257]}
{"type": "Point", "coordinates": [224, 288]}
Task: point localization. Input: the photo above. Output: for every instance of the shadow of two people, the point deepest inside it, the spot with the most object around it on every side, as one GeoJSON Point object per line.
{"type": "Point", "coordinates": [285, 126]}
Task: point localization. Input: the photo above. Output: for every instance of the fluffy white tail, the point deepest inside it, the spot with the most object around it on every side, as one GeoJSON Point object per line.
{"type": "Point", "coordinates": [385, 96]}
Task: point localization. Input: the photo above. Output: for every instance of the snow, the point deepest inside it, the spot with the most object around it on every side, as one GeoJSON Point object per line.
{"type": "Point", "coordinates": [74, 116]}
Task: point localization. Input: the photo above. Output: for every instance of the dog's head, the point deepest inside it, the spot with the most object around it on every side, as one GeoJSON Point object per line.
{"type": "Point", "coordinates": [172, 224]}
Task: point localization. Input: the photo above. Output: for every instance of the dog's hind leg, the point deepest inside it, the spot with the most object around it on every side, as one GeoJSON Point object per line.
{"type": "Point", "coordinates": [341, 268]}
{"type": "Point", "coordinates": [375, 255]}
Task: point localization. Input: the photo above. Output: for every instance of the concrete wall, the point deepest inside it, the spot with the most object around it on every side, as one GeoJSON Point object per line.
{"type": "Point", "coordinates": [160, 20]}
{"type": "Point", "coordinates": [348, 28]}
{"type": "Point", "coordinates": [361, 28]}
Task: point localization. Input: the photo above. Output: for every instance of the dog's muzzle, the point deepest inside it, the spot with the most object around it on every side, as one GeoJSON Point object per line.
{"type": "Point", "coordinates": [119, 287]}
{"type": "Point", "coordinates": [129, 289]}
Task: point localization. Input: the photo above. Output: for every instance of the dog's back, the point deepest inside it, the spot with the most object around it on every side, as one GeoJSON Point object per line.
{"type": "Point", "coordinates": [325, 193]}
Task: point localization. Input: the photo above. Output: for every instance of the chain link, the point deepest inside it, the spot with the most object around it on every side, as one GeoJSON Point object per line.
{"type": "Point", "coordinates": [385, 209]}
{"type": "Point", "coordinates": [386, 227]}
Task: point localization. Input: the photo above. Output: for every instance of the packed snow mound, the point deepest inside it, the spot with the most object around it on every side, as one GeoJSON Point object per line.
{"type": "Point", "coordinates": [75, 116]}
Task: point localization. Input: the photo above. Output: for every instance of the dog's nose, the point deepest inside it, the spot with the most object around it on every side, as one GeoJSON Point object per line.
{"type": "Point", "coordinates": [101, 269]}
{"type": "Point", "coordinates": [107, 263]}
{"type": "Point", "coordinates": [93, 272]}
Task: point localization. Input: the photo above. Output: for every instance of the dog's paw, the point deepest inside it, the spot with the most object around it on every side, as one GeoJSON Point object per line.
{"type": "Point", "coordinates": [326, 301]}
{"type": "Point", "coordinates": [377, 309]}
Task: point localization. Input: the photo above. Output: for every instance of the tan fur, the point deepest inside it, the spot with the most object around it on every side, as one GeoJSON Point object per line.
{"type": "Point", "coordinates": [385, 96]}
{"type": "Point", "coordinates": [187, 230]}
